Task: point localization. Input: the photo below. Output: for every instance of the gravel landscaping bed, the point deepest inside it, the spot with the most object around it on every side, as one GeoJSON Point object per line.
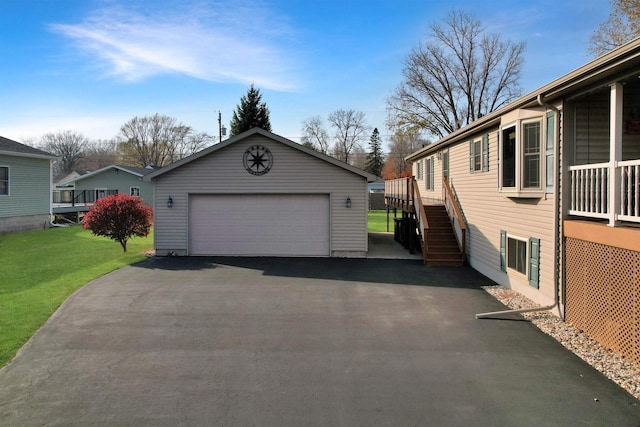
{"type": "Point", "coordinates": [614, 367]}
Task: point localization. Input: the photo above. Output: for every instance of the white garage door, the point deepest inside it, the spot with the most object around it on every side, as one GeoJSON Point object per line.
{"type": "Point", "coordinates": [261, 225]}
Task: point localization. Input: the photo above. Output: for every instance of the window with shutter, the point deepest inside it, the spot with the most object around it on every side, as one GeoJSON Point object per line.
{"type": "Point", "coordinates": [479, 155]}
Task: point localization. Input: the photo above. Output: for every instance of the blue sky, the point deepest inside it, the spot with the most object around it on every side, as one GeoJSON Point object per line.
{"type": "Point", "coordinates": [91, 65]}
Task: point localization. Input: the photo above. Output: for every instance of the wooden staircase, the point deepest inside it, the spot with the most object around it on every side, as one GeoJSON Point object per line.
{"type": "Point", "coordinates": [439, 244]}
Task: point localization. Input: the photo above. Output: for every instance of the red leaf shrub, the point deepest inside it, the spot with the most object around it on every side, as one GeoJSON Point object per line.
{"type": "Point", "coordinates": [119, 217]}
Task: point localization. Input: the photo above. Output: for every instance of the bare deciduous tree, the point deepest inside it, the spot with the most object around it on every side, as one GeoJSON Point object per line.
{"type": "Point", "coordinates": [158, 140]}
{"type": "Point", "coordinates": [350, 128]}
{"type": "Point", "coordinates": [68, 145]}
{"type": "Point", "coordinates": [99, 154]}
{"type": "Point", "coordinates": [457, 76]}
{"type": "Point", "coordinates": [402, 143]}
{"type": "Point", "coordinates": [315, 135]}
{"type": "Point", "coordinates": [358, 157]}
{"type": "Point", "coordinates": [622, 25]}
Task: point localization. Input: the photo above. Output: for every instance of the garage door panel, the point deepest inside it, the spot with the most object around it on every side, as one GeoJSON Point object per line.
{"type": "Point", "coordinates": [262, 225]}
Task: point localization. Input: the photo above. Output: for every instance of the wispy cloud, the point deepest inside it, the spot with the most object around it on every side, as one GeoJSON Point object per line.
{"type": "Point", "coordinates": [219, 42]}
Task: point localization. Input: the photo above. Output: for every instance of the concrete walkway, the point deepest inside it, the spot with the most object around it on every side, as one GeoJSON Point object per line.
{"type": "Point", "coordinates": [383, 246]}
{"type": "Point", "coordinates": [298, 342]}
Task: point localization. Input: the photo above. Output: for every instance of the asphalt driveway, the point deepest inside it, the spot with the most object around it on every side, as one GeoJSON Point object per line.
{"type": "Point", "coordinates": [292, 342]}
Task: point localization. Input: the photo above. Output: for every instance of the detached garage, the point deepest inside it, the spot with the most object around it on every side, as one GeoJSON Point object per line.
{"type": "Point", "coordinates": [259, 194]}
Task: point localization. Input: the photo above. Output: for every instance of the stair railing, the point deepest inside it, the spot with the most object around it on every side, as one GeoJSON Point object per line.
{"type": "Point", "coordinates": [455, 215]}
{"type": "Point", "coordinates": [423, 224]}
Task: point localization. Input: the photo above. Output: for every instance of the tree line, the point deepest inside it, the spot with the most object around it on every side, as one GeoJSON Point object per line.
{"type": "Point", "coordinates": [142, 141]}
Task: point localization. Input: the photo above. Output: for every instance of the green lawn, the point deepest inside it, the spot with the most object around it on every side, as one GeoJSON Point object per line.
{"type": "Point", "coordinates": [40, 269]}
{"type": "Point", "coordinates": [378, 221]}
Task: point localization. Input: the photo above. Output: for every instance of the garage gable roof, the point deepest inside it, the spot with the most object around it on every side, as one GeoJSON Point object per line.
{"type": "Point", "coordinates": [267, 134]}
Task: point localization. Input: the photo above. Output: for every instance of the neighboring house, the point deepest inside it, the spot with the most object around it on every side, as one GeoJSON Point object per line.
{"type": "Point", "coordinates": [114, 179]}
{"type": "Point", "coordinates": [25, 187]}
{"type": "Point", "coordinates": [259, 194]}
{"type": "Point", "coordinates": [65, 180]}
{"type": "Point", "coordinates": [548, 189]}
{"type": "Point", "coordinates": [376, 194]}
{"type": "Point", "coordinates": [376, 186]}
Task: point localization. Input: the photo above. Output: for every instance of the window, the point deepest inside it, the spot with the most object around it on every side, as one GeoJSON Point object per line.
{"type": "Point", "coordinates": [531, 162]}
{"type": "Point", "coordinates": [509, 157]}
{"type": "Point", "coordinates": [100, 193]}
{"type": "Point", "coordinates": [517, 255]}
{"type": "Point", "coordinates": [521, 255]}
{"type": "Point", "coordinates": [134, 191]}
{"type": "Point", "coordinates": [419, 170]}
{"type": "Point", "coordinates": [479, 155]}
{"type": "Point", "coordinates": [445, 164]}
{"type": "Point", "coordinates": [521, 159]}
{"type": "Point", "coordinates": [4, 180]}
{"type": "Point", "coordinates": [428, 173]}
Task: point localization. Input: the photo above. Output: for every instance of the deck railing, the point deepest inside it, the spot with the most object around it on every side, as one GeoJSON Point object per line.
{"type": "Point", "coordinates": [591, 191]}
{"type": "Point", "coordinates": [455, 214]}
{"type": "Point", "coordinates": [399, 192]}
{"type": "Point", "coordinates": [630, 190]}
{"type": "Point", "coordinates": [589, 188]}
{"type": "Point", "coordinates": [74, 198]}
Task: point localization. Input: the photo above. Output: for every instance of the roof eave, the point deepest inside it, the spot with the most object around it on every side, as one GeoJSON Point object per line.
{"type": "Point", "coordinates": [31, 155]}
{"type": "Point", "coordinates": [104, 169]}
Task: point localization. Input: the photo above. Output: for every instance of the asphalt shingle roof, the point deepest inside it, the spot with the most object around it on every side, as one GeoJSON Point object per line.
{"type": "Point", "coordinates": [10, 145]}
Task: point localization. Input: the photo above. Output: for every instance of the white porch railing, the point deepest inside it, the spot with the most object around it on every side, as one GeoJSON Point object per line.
{"type": "Point", "coordinates": [590, 191]}
{"type": "Point", "coordinates": [630, 190]}
{"type": "Point", "coordinates": [589, 185]}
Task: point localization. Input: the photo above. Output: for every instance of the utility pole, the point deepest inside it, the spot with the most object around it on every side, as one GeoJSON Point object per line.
{"type": "Point", "coordinates": [221, 129]}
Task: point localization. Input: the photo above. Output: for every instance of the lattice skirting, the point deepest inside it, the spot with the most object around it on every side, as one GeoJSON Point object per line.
{"type": "Point", "coordinates": [603, 294]}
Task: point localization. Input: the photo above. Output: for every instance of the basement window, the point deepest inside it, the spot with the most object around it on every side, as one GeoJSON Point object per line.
{"type": "Point", "coordinates": [521, 256]}
{"type": "Point", "coordinates": [517, 254]}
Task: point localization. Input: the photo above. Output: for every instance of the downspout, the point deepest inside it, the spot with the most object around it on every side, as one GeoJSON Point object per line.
{"type": "Point", "coordinates": [555, 229]}
{"type": "Point", "coordinates": [51, 223]}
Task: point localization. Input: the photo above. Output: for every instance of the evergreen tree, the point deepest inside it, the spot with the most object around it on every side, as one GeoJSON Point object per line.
{"type": "Point", "coordinates": [250, 113]}
{"type": "Point", "coordinates": [375, 159]}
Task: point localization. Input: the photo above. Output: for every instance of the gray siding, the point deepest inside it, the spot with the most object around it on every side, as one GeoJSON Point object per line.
{"type": "Point", "coordinates": [592, 122]}
{"type": "Point", "coordinates": [29, 187]}
{"type": "Point", "coordinates": [592, 128]}
{"type": "Point", "coordinates": [121, 181]}
{"type": "Point", "coordinates": [222, 172]}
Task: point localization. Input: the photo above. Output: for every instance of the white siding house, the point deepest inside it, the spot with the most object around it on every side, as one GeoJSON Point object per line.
{"type": "Point", "coordinates": [259, 194]}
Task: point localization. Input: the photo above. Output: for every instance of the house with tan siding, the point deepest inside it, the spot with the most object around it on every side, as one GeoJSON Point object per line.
{"type": "Point", "coordinates": [25, 187]}
{"type": "Point", "coordinates": [546, 194]}
{"type": "Point", "coordinates": [259, 194]}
